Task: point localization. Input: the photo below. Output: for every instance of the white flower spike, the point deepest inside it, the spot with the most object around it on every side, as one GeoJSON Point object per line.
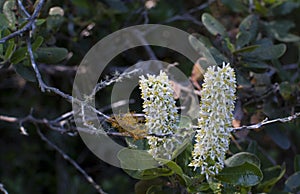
{"type": "Point", "coordinates": [160, 113]}
{"type": "Point", "coordinates": [216, 107]}
{"type": "Point", "coordinates": [159, 104]}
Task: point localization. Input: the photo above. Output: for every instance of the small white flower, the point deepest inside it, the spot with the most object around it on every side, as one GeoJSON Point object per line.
{"type": "Point", "coordinates": [161, 116]}
{"type": "Point", "coordinates": [216, 107]}
{"type": "Point", "coordinates": [159, 104]}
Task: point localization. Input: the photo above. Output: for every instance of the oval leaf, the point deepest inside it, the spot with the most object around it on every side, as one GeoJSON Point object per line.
{"type": "Point", "coordinates": [136, 159]}
{"type": "Point", "coordinates": [292, 184]}
{"type": "Point", "coordinates": [245, 175]}
{"type": "Point", "coordinates": [8, 8]}
{"type": "Point", "coordinates": [51, 55]}
{"type": "Point", "coordinates": [241, 158]}
{"type": "Point", "coordinates": [25, 72]}
{"type": "Point", "coordinates": [248, 30]}
{"type": "Point", "coordinates": [271, 176]}
{"type": "Point", "coordinates": [213, 25]}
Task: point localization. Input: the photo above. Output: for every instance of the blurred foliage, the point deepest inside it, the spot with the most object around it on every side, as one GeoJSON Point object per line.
{"type": "Point", "coordinates": [259, 38]}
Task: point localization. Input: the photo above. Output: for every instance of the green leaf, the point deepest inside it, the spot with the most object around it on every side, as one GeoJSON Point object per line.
{"type": "Point", "coordinates": [241, 158]}
{"type": "Point", "coordinates": [271, 176]}
{"type": "Point", "coordinates": [40, 21]}
{"type": "Point", "coordinates": [213, 25]}
{"type": "Point", "coordinates": [280, 30]}
{"type": "Point", "coordinates": [247, 31]}
{"type": "Point", "coordinates": [206, 51]}
{"type": "Point", "coordinates": [51, 55]}
{"type": "Point", "coordinates": [286, 90]}
{"type": "Point", "coordinates": [19, 55]}
{"type": "Point", "coordinates": [142, 186]}
{"type": "Point", "coordinates": [256, 67]}
{"type": "Point", "coordinates": [267, 52]}
{"type": "Point", "coordinates": [8, 8]}
{"type": "Point", "coordinates": [285, 8]}
{"type": "Point", "coordinates": [3, 22]}
{"type": "Point", "coordinates": [117, 5]}
{"type": "Point", "coordinates": [297, 163]}
{"type": "Point", "coordinates": [245, 175]}
{"type": "Point", "coordinates": [25, 71]}
{"type": "Point", "coordinates": [277, 134]}
{"type": "Point", "coordinates": [246, 49]}
{"type": "Point", "coordinates": [292, 184]}
{"type": "Point", "coordinates": [178, 170]}
{"type": "Point", "coordinates": [235, 5]}
{"type": "Point", "coordinates": [54, 22]}
{"type": "Point", "coordinates": [136, 159]}
{"type": "Point", "coordinates": [149, 173]}
{"type": "Point", "coordinates": [37, 43]}
{"type": "Point", "coordinates": [9, 50]}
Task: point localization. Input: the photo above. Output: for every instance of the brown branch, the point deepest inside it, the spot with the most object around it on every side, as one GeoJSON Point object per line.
{"type": "Point", "coordinates": [71, 161]}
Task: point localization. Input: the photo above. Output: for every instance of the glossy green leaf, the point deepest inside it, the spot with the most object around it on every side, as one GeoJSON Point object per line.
{"type": "Point", "coordinates": [271, 176]}
{"type": "Point", "coordinates": [247, 31]}
{"type": "Point", "coordinates": [241, 158]}
{"type": "Point", "coordinates": [37, 43]}
{"type": "Point", "coordinates": [297, 163]}
{"type": "Point", "coordinates": [213, 25]}
{"type": "Point", "coordinates": [136, 159]}
{"type": "Point", "coordinates": [19, 55]}
{"type": "Point", "coordinates": [292, 184]}
{"type": "Point", "coordinates": [51, 55]}
{"type": "Point", "coordinates": [25, 71]}
{"type": "Point", "coordinates": [8, 8]}
{"type": "Point", "coordinates": [9, 50]}
{"type": "Point", "coordinates": [245, 175]}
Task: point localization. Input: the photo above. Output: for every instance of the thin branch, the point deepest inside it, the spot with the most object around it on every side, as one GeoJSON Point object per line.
{"type": "Point", "coordinates": [71, 161]}
{"type": "Point", "coordinates": [35, 68]}
{"type": "Point", "coordinates": [267, 122]}
{"type": "Point", "coordinates": [2, 189]}
{"type": "Point", "coordinates": [28, 26]}
{"type": "Point", "coordinates": [21, 6]}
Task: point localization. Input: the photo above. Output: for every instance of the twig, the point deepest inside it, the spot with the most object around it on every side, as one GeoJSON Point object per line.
{"type": "Point", "coordinates": [267, 122]}
{"type": "Point", "coordinates": [2, 189]}
{"type": "Point", "coordinates": [21, 6]}
{"type": "Point", "coordinates": [35, 68]}
{"type": "Point", "coordinates": [71, 161]}
{"type": "Point", "coordinates": [28, 26]}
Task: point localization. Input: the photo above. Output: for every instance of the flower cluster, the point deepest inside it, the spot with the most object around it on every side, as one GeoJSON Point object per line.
{"type": "Point", "coordinates": [161, 116]}
{"type": "Point", "coordinates": [159, 105]}
{"type": "Point", "coordinates": [216, 107]}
